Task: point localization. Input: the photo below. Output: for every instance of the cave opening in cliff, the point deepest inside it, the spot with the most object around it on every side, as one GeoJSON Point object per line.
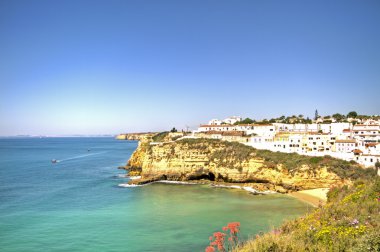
{"type": "Point", "coordinates": [211, 176]}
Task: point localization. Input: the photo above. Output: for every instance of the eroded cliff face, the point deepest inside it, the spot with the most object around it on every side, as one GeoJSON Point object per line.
{"type": "Point", "coordinates": [219, 161]}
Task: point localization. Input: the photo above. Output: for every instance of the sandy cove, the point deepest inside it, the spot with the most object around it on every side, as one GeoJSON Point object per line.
{"type": "Point", "coordinates": [314, 197]}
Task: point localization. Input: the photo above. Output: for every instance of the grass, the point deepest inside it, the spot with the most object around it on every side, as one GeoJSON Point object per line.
{"type": "Point", "coordinates": [350, 221]}
{"type": "Point", "coordinates": [159, 137]}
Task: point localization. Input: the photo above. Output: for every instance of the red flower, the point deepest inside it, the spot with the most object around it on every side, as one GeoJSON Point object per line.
{"type": "Point", "coordinates": [210, 249]}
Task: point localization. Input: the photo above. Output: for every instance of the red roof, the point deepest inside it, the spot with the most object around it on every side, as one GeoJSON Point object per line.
{"type": "Point", "coordinates": [357, 151]}
{"type": "Point", "coordinates": [346, 141]}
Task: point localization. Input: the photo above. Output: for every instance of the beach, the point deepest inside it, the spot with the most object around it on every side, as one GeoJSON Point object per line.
{"type": "Point", "coordinates": [314, 197]}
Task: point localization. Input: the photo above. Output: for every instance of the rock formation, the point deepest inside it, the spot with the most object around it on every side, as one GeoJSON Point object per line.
{"type": "Point", "coordinates": [219, 161]}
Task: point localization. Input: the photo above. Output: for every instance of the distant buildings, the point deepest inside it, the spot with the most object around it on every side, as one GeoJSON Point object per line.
{"type": "Point", "coordinates": [357, 141]}
{"type": "Point", "coordinates": [230, 120]}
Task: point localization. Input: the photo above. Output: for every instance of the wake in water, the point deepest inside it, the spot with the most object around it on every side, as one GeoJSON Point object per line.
{"type": "Point", "coordinates": [80, 156]}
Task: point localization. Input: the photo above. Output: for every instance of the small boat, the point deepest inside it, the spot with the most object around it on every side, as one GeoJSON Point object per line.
{"type": "Point", "coordinates": [54, 161]}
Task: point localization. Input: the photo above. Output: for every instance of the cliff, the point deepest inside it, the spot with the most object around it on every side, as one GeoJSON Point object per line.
{"type": "Point", "coordinates": [136, 136]}
{"type": "Point", "coordinates": [220, 161]}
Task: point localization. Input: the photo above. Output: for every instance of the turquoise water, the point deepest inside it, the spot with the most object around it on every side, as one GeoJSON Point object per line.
{"type": "Point", "coordinates": [77, 205]}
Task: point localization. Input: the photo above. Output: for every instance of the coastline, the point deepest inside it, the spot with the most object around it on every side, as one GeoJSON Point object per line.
{"type": "Point", "coordinates": [314, 197]}
{"type": "Point", "coordinates": [249, 187]}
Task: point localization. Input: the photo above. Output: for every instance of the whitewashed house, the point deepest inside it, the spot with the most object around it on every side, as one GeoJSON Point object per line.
{"type": "Point", "coordinates": [366, 132]}
{"type": "Point", "coordinates": [232, 119]}
{"type": "Point", "coordinates": [345, 146]}
{"type": "Point", "coordinates": [215, 122]}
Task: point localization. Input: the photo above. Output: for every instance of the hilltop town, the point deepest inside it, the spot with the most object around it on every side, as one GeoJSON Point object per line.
{"type": "Point", "coordinates": [351, 138]}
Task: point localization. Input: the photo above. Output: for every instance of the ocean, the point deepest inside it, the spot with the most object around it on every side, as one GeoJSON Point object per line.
{"type": "Point", "coordinates": [77, 205]}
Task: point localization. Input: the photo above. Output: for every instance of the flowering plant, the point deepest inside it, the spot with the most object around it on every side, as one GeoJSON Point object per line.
{"type": "Point", "coordinates": [218, 241]}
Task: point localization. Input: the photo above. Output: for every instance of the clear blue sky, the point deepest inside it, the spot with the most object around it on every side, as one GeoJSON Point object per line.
{"type": "Point", "coordinates": [94, 67]}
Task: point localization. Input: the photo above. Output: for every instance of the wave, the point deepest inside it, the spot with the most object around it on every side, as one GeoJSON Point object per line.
{"type": "Point", "coordinates": [128, 185]}
{"type": "Point", "coordinates": [175, 182]}
{"type": "Point", "coordinates": [246, 188]}
{"type": "Point", "coordinates": [159, 181]}
{"type": "Point", "coordinates": [227, 186]}
{"type": "Point", "coordinates": [133, 177]}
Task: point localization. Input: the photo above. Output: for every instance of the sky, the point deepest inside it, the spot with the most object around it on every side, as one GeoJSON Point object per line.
{"type": "Point", "coordinates": [107, 67]}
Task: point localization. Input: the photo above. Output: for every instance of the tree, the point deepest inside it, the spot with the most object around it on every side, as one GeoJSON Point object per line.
{"type": "Point", "coordinates": [316, 115]}
{"type": "Point", "coordinates": [173, 130]}
{"type": "Point", "coordinates": [338, 117]}
{"type": "Point", "coordinates": [377, 166]}
{"type": "Point", "coordinates": [352, 114]}
{"type": "Point", "coordinates": [247, 121]}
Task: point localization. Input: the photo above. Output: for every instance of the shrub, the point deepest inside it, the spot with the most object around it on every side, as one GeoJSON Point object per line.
{"type": "Point", "coordinates": [350, 221]}
{"type": "Point", "coordinates": [160, 136]}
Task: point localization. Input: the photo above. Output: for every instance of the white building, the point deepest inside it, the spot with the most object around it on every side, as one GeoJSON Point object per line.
{"type": "Point", "coordinates": [366, 132]}
{"type": "Point", "coordinates": [345, 146]}
{"type": "Point", "coordinates": [222, 127]}
{"type": "Point", "coordinates": [232, 119]}
{"type": "Point", "coordinates": [215, 122]}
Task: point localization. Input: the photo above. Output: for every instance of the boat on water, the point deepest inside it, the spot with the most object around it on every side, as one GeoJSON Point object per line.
{"type": "Point", "coordinates": [54, 161]}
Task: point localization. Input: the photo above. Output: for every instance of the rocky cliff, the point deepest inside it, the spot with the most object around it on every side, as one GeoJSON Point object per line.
{"type": "Point", "coordinates": [136, 136]}
{"type": "Point", "coordinates": [214, 160]}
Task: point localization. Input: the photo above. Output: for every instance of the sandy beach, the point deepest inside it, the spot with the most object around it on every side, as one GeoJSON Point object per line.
{"type": "Point", "coordinates": [312, 196]}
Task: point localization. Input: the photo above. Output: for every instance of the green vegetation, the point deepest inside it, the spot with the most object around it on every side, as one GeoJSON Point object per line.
{"type": "Point", "coordinates": [350, 221]}
{"type": "Point", "coordinates": [293, 162]}
{"type": "Point", "coordinates": [301, 119]}
{"type": "Point", "coordinates": [352, 114]}
{"type": "Point", "coordinates": [232, 154]}
{"type": "Point", "coordinates": [160, 136]}
{"type": "Point", "coordinates": [245, 121]}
